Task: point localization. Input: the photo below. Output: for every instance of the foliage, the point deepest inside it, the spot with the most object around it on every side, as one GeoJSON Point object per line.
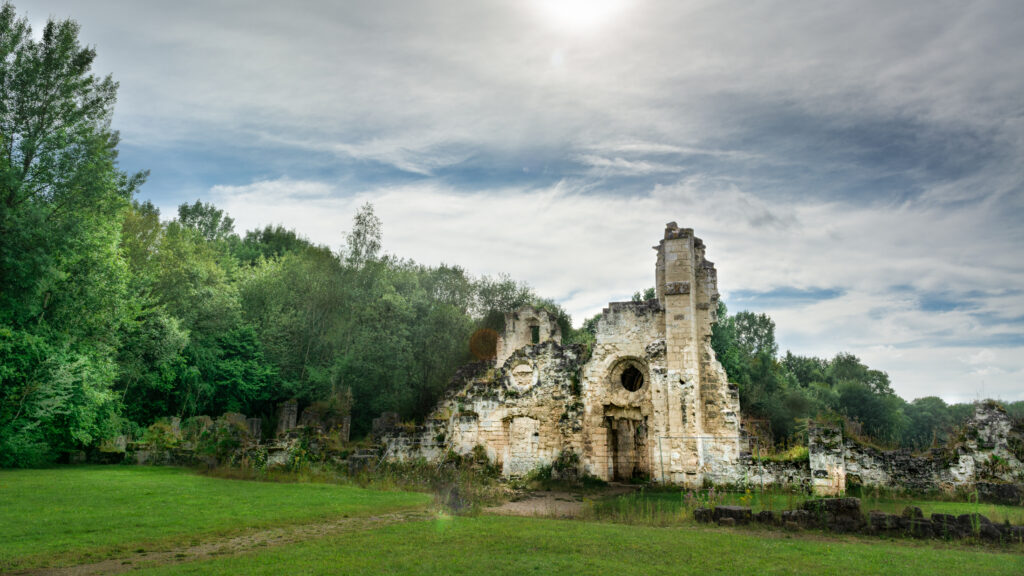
{"type": "Point", "coordinates": [63, 284]}
{"type": "Point", "coordinates": [647, 294]}
{"type": "Point", "coordinates": [792, 454]}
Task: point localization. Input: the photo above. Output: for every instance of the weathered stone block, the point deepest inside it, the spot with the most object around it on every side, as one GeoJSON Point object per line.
{"type": "Point", "coordinates": [703, 515]}
{"type": "Point", "coordinates": [359, 462]}
{"type": "Point", "coordinates": [1001, 493]}
{"type": "Point", "coordinates": [741, 514]}
{"type": "Point", "coordinates": [990, 532]}
{"type": "Point", "coordinates": [676, 288]}
{"type": "Point", "coordinates": [386, 422]}
{"type": "Point", "coordinates": [883, 522]}
{"type": "Point", "coordinates": [766, 517]}
{"type": "Point", "coordinates": [946, 526]}
{"type": "Point", "coordinates": [288, 413]}
{"type": "Point", "coordinates": [1014, 534]}
{"type": "Point", "coordinates": [972, 523]}
{"type": "Point", "coordinates": [801, 517]}
{"type": "Point", "coordinates": [837, 514]}
{"type": "Point", "coordinates": [920, 528]}
{"type": "Point", "coordinates": [726, 521]}
{"type": "Point", "coordinates": [255, 426]}
{"type": "Point", "coordinates": [912, 513]}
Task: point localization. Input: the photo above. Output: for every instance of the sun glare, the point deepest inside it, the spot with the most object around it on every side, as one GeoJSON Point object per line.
{"type": "Point", "coordinates": [579, 15]}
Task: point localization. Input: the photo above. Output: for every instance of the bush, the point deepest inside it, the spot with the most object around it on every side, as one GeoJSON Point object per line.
{"type": "Point", "coordinates": [23, 448]}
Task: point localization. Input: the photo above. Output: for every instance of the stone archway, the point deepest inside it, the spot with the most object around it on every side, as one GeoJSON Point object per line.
{"type": "Point", "coordinates": [628, 452]}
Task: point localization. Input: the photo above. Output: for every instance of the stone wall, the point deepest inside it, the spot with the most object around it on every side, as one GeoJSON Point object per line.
{"type": "Point", "coordinates": [520, 327]}
{"type": "Point", "coordinates": [524, 413]}
{"type": "Point", "coordinates": [769, 474]}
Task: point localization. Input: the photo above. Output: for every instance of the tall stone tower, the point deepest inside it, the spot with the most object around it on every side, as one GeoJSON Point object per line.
{"type": "Point", "coordinates": [705, 434]}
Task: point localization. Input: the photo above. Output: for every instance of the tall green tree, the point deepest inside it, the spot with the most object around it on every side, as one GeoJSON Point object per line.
{"type": "Point", "coordinates": [63, 282]}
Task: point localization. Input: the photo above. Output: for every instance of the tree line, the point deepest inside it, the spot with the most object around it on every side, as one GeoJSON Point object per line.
{"type": "Point", "coordinates": [786, 390]}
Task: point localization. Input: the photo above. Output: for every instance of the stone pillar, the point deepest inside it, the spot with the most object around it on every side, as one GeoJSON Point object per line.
{"type": "Point", "coordinates": [827, 462]}
{"type": "Point", "coordinates": [344, 431]}
{"type": "Point", "coordinates": [288, 415]}
{"type": "Point", "coordinates": [675, 273]}
{"type": "Point", "coordinates": [255, 426]}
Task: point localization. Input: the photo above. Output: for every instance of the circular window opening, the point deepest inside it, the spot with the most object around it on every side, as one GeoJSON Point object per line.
{"type": "Point", "coordinates": [632, 379]}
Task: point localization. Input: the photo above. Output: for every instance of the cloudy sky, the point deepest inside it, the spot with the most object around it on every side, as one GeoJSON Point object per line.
{"type": "Point", "coordinates": [855, 168]}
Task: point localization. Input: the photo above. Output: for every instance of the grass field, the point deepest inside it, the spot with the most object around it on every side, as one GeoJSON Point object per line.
{"type": "Point", "coordinates": [173, 521]}
{"type": "Point", "coordinates": [68, 515]}
{"type": "Point", "coordinates": [518, 546]}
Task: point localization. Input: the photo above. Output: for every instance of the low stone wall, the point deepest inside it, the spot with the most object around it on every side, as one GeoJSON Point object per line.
{"type": "Point", "coordinates": [768, 473]}
{"type": "Point", "coordinates": [844, 515]}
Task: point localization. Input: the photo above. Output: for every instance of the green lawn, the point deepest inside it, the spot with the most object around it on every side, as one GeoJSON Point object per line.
{"type": "Point", "coordinates": [518, 546]}
{"type": "Point", "coordinates": [78, 514]}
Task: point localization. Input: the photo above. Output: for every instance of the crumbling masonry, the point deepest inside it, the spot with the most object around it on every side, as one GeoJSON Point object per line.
{"type": "Point", "coordinates": [651, 400]}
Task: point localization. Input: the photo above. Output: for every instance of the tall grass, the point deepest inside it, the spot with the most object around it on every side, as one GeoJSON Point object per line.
{"type": "Point", "coordinates": [667, 507]}
{"type": "Point", "coordinates": [462, 484]}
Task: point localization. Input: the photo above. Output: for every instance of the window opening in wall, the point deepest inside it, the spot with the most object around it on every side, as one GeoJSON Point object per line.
{"type": "Point", "coordinates": [632, 379]}
{"type": "Point", "coordinates": [535, 334]}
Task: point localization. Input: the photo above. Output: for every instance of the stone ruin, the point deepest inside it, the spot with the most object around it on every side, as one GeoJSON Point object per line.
{"type": "Point", "coordinates": [650, 401]}
{"type": "Point", "coordinates": [233, 438]}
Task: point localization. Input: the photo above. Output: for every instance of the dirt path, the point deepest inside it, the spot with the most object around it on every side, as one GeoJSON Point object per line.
{"type": "Point", "coordinates": [555, 504]}
{"type": "Point", "coordinates": [547, 504]}
{"type": "Point", "coordinates": [231, 546]}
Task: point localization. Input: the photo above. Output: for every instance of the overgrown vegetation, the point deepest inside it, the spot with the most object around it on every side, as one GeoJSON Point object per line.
{"type": "Point", "coordinates": [673, 506]}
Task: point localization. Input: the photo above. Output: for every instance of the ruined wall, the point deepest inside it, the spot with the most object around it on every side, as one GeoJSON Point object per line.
{"type": "Point", "coordinates": [796, 475]}
{"type": "Point", "coordinates": [520, 328]}
{"type": "Point", "coordinates": [524, 413]}
{"type": "Point", "coordinates": [621, 425]}
{"type": "Point", "coordinates": [988, 452]}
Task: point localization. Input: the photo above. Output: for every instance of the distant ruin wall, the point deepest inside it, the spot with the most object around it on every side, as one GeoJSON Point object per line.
{"type": "Point", "coordinates": [987, 454]}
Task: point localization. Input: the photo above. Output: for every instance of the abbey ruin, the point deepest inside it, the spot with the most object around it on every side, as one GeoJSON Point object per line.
{"type": "Point", "coordinates": [650, 401]}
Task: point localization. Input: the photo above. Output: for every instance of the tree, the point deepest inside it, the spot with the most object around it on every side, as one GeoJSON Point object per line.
{"type": "Point", "coordinates": [928, 422]}
{"type": "Point", "coordinates": [755, 334]}
{"type": "Point", "coordinates": [63, 283]}
{"type": "Point", "coordinates": [648, 294]}
{"type": "Point", "coordinates": [363, 242]}
{"type": "Point", "coordinates": [207, 220]}
{"type": "Point", "coordinates": [271, 242]}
